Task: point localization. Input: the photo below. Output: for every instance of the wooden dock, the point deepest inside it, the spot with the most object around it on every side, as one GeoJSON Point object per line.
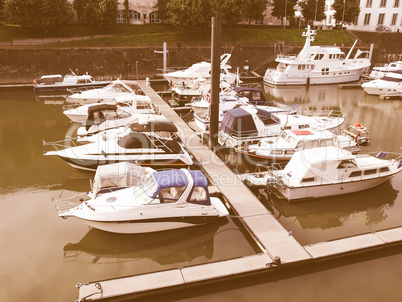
{"type": "Point", "coordinates": [279, 249]}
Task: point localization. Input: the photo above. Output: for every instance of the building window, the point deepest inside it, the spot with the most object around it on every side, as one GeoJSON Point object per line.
{"type": "Point", "coordinates": [120, 17]}
{"type": "Point", "coordinates": [153, 18]}
{"type": "Point", "coordinates": [383, 3]}
{"type": "Point", "coordinates": [367, 19]}
{"type": "Point", "coordinates": [396, 3]}
{"type": "Point", "coordinates": [134, 16]}
{"type": "Point", "coordinates": [369, 3]}
{"type": "Point", "coordinates": [381, 19]}
{"type": "Point", "coordinates": [394, 18]}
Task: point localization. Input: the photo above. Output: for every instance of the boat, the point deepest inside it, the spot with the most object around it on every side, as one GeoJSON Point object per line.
{"type": "Point", "coordinates": [167, 200]}
{"type": "Point", "coordinates": [249, 124]}
{"type": "Point", "coordinates": [359, 133]}
{"type": "Point", "coordinates": [282, 147]}
{"type": "Point", "coordinates": [119, 107]}
{"type": "Point", "coordinates": [187, 76]}
{"type": "Point", "coordinates": [325, 171]}
{"type": "Point", "coordinates": [231, 98]}
{"type": "Point", "coordinates": [317, 65]}
{"type": "Point", "coordinates": [56, 82]}
{"type": "Point", "coordinates": [391, 84]}
{"type": "Point", "coordinates": [105, 94]}
{"type": "Point", "coordinates": [380, 70]}
{"type": "Point", "coordinates": [155, 146]}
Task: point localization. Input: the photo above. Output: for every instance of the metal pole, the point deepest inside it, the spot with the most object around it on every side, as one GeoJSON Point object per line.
{"type": "Point", "coordinates": [164, 57]}
{"type": "Point", "coordinates": [315, 15]}
{"type": "Point", "coordinates": [216, 36]}
{"type": "Point", "coordinates": [286, 7]}
{"type": "Point", "coordinates": [343, 14]}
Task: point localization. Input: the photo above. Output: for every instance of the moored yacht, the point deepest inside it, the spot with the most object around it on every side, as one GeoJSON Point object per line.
{"type": "Point", "coordinates": [317, 65]}
{"type": "Point", "coordinates": [249, 124]}
{"type": "Point", "coordinates": [389, 84]}
{"type": "Point", "coordinates": [165, 200]}
{"type": "Point", "coordinates": [326, 171]}
{"type": "Point", "coordinates": [379, 71]}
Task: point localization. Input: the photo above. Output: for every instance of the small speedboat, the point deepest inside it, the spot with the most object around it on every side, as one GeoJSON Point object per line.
{"type": "Point", "coordinates": [164, 200]}
{"type": "Point", "coordinates": [359, 133]}
{"type": "Point", "coordinates": [380, 70]}
{"type": "Point", "coordinates": [151, 147]}
{"type": "Point", "coordinates": [117, 108]}
{"type": "Point", "coordinates": [282, 147]}
{"type": "Point", "coordinates": [105, 94]}
{"type": "Point", "coordinates": [56, 82]}
{"type": "Point", "coordinates": [389, 84]}
{"type": "Point", "coordinates": [324, 172]}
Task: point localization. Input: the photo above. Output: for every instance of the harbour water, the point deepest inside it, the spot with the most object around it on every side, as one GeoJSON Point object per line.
{"type": "Point", "coordinates": [44, 256]}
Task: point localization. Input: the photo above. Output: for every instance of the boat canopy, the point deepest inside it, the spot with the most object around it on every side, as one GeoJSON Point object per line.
{"type": "Point", "coordinates": [121, 174]}
{"type": "Point", "coordinates": [154, 126]}
{"type": "Point", "coordinates": [239, 122]}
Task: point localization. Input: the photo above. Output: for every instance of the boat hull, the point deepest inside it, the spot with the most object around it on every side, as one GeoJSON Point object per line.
{"type": "Point", "coordinates": [318, 191]}
{"type": "Point", "coordinates": [151, 225]}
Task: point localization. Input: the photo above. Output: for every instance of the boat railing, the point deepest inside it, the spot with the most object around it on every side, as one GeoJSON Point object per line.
{"type": "Point", "coordinates": [61, 144]}
{"type": "Point", "coordinates": [65, 204]}
{"type": "Point", "coordinates": [322, 113]}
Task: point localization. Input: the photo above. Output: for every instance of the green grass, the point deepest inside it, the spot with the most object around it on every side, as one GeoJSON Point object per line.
{"type": "Point", "coordinates": [155, 34]}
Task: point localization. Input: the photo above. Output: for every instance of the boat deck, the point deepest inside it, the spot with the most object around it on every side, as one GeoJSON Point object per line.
{"type": "Point", "coordinates": [279, 249]}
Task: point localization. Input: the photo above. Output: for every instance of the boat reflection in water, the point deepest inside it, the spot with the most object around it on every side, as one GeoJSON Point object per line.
{"type": "Point", "coordinates": [169, 247]}
{"type": "Point", "coordinates": [335, 217]}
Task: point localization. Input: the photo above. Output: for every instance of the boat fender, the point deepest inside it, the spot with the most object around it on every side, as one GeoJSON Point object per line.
{"type": "Point", "coordinates": [399, 164]}
{"type": "Point", "coordinates": [34, 82]}
{"type": "Point", "coordinates": [380, 154]}
{"type": "Point", "coordinates": [357, 137]}
{"type": "Point", "coordinates": [104, 153]}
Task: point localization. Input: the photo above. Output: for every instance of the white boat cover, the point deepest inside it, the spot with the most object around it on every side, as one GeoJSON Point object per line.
{"type": "Point", "coordinates": [121, 174]}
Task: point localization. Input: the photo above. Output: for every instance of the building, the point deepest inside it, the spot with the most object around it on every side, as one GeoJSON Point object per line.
{"type": "Point", "coordinates": [379, 12]}
{"type": "Point", "coordinates": [140, 11]}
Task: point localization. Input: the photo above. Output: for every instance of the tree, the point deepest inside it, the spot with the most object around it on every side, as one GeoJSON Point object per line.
{"type": "Point", "coordinates": [278, 8]}
{"type": "Point", "coordinates": [189, 13]}
{"type": "Point", "coordinates": [100, 12]}
{"type": "Point", "coordinates": [162, 10]}
{"type": "Point", "coordinates": [313, 10]}
{"type": "Point", "coordinates": [346, 10]}
{"type": "Point", "coordinates": [254, 9]}
{"type": "Point", "coordinates": [38, 13]}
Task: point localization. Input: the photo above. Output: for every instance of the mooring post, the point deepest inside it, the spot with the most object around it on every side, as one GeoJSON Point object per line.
{"type": "Point", "coordinates": [216, 35]}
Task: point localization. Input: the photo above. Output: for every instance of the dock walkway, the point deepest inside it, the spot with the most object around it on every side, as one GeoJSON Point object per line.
{"type": "Point", "coordinates": [278, 248]}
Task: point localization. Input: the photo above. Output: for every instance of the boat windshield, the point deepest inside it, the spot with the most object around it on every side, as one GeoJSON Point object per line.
{"type": "Point", "coordinates": [150, 187]}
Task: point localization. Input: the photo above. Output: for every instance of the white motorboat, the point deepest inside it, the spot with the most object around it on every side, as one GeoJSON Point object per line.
{"type": "Point", "coordinates": [389, 84]}
{"type": "Point", "coordinates": [324, 172]}
{"type": "Point", "coordinates": [201, 70]}
{"type": "Point", "coordinates": [249, 124]}
{"type": "Point", "coordinates": [166, 200]}
{"type": "Point", "coordinates": [105, 94]}
{"type": "Point", "coordinates": [56, 82]}
{"type": "Point", "coordinates": [282, 147]}
{"type": "Point", "coordinates": [381, 70]}
{"type": "Point", "coordinates": [153, 147]}
{"type": "Point", "coordinates": [317, 65]}
{"type": "Point", "coordinates": [120, 106]}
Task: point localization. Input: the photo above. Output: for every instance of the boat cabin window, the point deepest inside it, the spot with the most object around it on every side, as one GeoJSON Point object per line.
{"type": "Point", "coordinates": [170, 195]}
{"type": "Point", "coordinates": [308, 179]}
{"type": "Point", "coordinates": [303, 126]}
{"type": "Point", "coordinates": [325, 71]}
{"type": "Point", "coordinates": [319, 56]}
{"type": "Point", "coordinates": [355, 174]}
{"type": "Point", "coordinates": [384, 169]}
{"type": "Point", "coordinates": [289, 152]}
{"type": "Point", "coordinates": [326, 143]}
{"type": "Point", "coordinates": [310, 144]}
{"type": "Point", "coordinates": [370, 172]}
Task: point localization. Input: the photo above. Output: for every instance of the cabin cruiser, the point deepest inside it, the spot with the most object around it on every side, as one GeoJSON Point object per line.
{"type": "Point", "coordinates": [228, 99]}
{"type": "Point", "coordinates": [249, 124]}
{"type": "Point", "coordinates": [201, 70]}
{"type": "Point", "coordinates": [105, 94]}
{"type": "Point", "coordinates": [120, 106]}
{"type": "Point", "coordinates": [282, 147]}
{"type": "Point", "coordinates": [161, 201]}
{"type": "Point", "coordinates": [324, 172]}
{"type": "Point", "coordinates": [149, 147]}
{"type": "Point", "coordinates": [381, 70]}
{"type": "Point", "coordinates": [389, 84]}
{"type": "Point", "coordinates": [56, 82]}
{"type": "Point", "coordinates": [317, 65]}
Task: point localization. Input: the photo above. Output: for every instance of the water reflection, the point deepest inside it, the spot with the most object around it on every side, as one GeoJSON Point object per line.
{"type": "Point", "coordinates": [178, 246]}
